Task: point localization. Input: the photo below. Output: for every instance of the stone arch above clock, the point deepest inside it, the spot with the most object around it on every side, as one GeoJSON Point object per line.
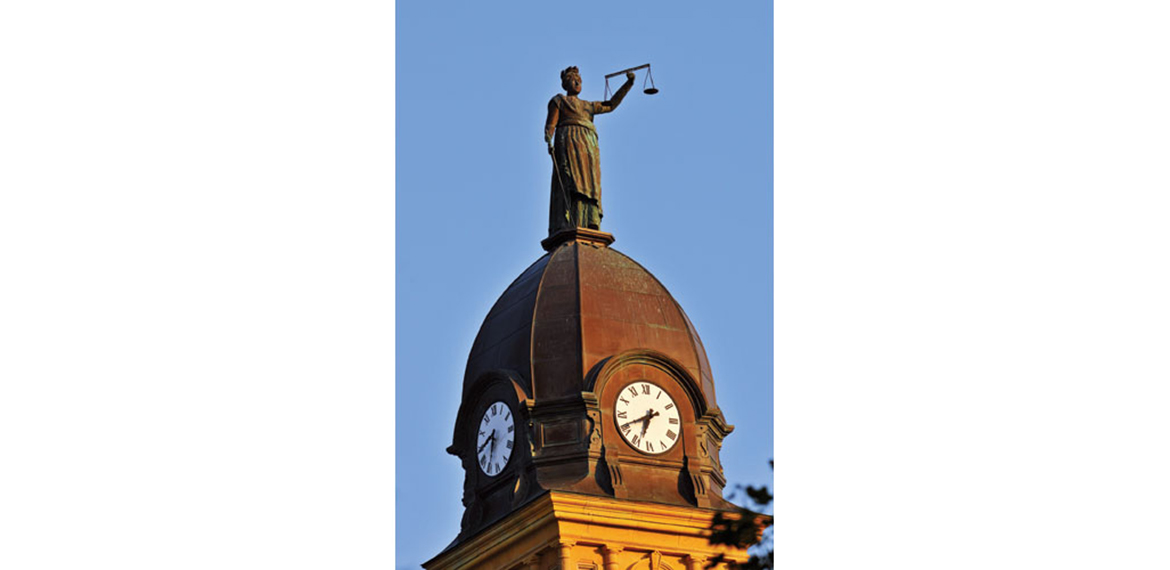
{"type": "Point", "coordinates": [695, 460]}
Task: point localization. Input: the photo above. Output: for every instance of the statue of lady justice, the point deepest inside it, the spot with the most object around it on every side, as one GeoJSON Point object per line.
{"type": "Point", "coordinates": [576, 180]}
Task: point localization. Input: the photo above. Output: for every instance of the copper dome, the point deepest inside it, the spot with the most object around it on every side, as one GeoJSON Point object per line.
{"type": "Point", "coordinates": [573, 308]}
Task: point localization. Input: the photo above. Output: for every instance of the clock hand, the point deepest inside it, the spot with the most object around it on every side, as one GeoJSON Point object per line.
{"type": "Point", "coordinates": [646, 422]}
{"type": "Point", "coordinates": [643, 418]}
{"type": "Point", "coordinates": [486, 441]}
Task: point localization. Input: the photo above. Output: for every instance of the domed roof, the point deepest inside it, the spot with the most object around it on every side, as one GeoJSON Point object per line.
{"type": "Point", "coordinates": [576, 306]}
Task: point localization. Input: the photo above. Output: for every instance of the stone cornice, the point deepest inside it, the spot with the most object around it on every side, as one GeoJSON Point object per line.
{"type": "Point", "coordinates": [524, 520]}
{"type": "Point", "coordinates": [622, 514]}
{"type": "Point", "coordinates": [556, 514]}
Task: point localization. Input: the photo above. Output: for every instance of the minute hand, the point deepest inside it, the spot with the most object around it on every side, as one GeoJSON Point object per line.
{"type": "Point", "coordinates": [486, 441]}
{"type": "Point", "coordinates": [644, 418]}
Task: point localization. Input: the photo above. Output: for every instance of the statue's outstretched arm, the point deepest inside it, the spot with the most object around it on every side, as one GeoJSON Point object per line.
{"type": "Point", "coordinates": [550, 124]}
{"type": "Point", "coordinates": [607, 106]}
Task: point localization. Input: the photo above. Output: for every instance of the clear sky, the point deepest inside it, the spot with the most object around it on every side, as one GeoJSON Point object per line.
{"type": "Point", "coordinates": [687, 192]}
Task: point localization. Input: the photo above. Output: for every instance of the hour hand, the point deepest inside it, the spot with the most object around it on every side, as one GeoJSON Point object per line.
{"type": "Point", "coordinates": [646, 421]}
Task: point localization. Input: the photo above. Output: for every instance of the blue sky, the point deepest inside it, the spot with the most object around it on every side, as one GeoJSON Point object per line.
{"type": "Point", "coordinates": [687, 179]}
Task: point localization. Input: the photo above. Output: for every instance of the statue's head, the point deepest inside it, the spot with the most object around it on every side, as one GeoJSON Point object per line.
{"type": "Point", "coordinates": [571, 80]}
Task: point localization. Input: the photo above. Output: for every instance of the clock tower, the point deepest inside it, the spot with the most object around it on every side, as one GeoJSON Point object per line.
{"type": "Point", "coordinates": [588, 431]}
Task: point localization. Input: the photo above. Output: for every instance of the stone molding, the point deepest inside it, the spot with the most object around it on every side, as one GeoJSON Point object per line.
{"type": "Point", "coordinates": [580, 235]}
{"type": "Point", "coordinates": [569, 526]}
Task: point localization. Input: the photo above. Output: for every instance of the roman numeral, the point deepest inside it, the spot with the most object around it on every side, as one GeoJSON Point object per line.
{"type": "Point", "coordinates": [633, 391]}
{"type": "Point", "coordinates": [623, 400]}
{"type": "Point", "coordinates": [497, 466]}
{"type": "Point", "coordinates": [669, 406]}
{"type": "Point", "coordinates": [509, 444]}
{"type": "Point", "coordinates": [626, 428]}
{"type": "Point", "coordinates": [646, 389]}
{"type": "Point", "coordinates": [510, 428]}
{"type": "Point", "coordinates": [674, 420]}
{"type": "Point", "coordinates": [649, 446]}
{"type": "Point", "coordinates": [508, 414]}
{"type": "Point", "coordinates": [659, 395]}
{"type": "Point", "coordinates": [485, 418]}
{"type": "Point", "coordinates": [663, 445]}
{"type": "Point", "coordinates": [671, 434]}
{"type": "Point", "coordinates": [483, 461]}
{"type": "Point", "coordinates": [622, 415]}
{"type": "Point", "coordinates": [634, 440]}
{"type": "Point", "coordinates": [494, 412]}
{"type": "Point", "coordinates": [481, 434]}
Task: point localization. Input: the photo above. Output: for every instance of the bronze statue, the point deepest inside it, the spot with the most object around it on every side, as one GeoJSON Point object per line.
{"type": "Point", "coordinates": [576, 180]}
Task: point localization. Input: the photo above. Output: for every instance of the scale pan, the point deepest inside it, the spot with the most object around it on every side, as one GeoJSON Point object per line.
{"type": "Point", "coordinates": [650, 91]}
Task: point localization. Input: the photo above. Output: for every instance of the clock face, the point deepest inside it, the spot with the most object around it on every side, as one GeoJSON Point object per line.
{"type": "Point", "coordinates": [647, 417]}
{"type": "Point", "coordinates": [495, 439]}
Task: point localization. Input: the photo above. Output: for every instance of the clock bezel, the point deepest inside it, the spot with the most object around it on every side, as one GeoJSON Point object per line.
{"type": "Point", "coordinates": [511, 437]}
{"type": "Point", "coordinates": [675, 443]}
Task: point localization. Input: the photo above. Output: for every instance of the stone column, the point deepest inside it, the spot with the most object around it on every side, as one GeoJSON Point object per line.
{"type": "Point", "coordinates": [609, 556]}
{"type": "Point", "coordinates": [531, 562]}
{"type": "Point", "coordinates": [565, 548]}
{"type": "Point", "coordinates": [695, 562]}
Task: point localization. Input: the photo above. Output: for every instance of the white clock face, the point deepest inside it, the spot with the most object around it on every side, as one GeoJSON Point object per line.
{"type": "Point", "coordinates": [495, 439]}
{"type": "Point", "coordinates": [647, 417]}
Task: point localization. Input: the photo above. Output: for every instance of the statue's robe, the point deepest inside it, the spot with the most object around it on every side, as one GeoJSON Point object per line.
{"type": "Point", "coordinates": [576, 180]}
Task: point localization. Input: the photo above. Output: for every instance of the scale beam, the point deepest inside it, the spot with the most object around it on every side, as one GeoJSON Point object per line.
{"type": "Point", "coordinates": [616, 73]}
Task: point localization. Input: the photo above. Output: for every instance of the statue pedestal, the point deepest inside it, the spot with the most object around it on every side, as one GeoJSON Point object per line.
{"type": "Point", "coordinates": [582, 235]}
